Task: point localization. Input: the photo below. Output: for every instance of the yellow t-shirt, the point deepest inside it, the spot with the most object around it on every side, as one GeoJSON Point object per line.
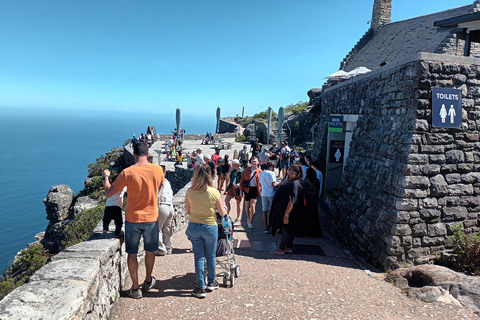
{"type": "Point", "coordinates": [143, 183]}
{"type": "Point", "coordinates": [203, 205]}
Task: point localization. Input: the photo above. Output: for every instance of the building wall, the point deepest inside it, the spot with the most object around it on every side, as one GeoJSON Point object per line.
{"type": "Point", "coordinates": [405, 184]}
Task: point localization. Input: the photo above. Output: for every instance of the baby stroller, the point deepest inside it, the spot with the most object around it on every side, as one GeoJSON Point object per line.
{"type": "Point", "coordinates": [225, 252]}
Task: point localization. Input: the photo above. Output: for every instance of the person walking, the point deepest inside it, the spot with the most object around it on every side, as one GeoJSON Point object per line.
{"type": "Point", "coordinates": [233, 188]}
{"type": "Point", "coordinates": [143, 181]}
{"type": "Point", "coordinates": [250, 185]}
{"type": "Point", "coordinates": [201, 200]}
{"type": "Point", "coordinates": [165, 217]}
{"type": "Point", "coordinates": [284, 159]}
{"type": "Point", "coordinates": [287, 205]}
{"type": "Point", "coordinates": [268, 184]}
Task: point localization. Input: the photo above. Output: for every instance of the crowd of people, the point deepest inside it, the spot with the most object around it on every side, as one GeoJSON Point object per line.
{"type": "Point", "coordinates": [252, 175]}
{"type": "Point", "coordinates": [289, 201]}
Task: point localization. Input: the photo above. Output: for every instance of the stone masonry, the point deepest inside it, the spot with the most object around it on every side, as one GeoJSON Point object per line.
{"type": "Point", "coordinates": [406, 183]}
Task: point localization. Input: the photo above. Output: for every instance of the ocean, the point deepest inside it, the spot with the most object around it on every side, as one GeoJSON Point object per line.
{"type": "Point", "coordinates": [48, 147]}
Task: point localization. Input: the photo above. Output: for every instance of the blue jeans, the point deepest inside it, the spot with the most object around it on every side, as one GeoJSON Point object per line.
{"type": "Point", "coordinates": [204, 241]}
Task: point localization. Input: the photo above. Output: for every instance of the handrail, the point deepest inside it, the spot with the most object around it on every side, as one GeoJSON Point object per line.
{"type": "Point", "coordinates": [290, 135]}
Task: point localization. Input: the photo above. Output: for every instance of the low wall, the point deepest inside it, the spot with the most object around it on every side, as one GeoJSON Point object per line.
{"type": "Point", "coordinates": [200, 136]}
{"type": "Point", "coordinates": [82, 282]}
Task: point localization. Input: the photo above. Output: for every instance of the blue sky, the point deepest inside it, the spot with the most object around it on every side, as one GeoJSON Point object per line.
{"type": "Point", "coordinates": [192, 54]}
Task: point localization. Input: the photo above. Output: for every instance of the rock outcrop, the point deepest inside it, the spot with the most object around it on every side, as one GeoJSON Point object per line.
{"type": "Point", "coordinates": [436, 283]}
{"type": "Point", "coordinates": [84, 203]}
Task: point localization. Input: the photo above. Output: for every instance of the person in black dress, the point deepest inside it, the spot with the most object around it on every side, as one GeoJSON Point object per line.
{"type": "Point", "coordinates": [308, 224]}
{"type": "Point", "coordinates": [286, 207]}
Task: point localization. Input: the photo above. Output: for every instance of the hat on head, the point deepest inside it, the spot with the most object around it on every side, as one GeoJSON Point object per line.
{"type": "Point", "coordinates": [134, 134]}
{"type": "Point", "coordinates": [221, 160]}
{"type": "Point", "coordinates": [199, 149]}
{"type": "Point", "coordinates": [244, 147]}
{"type": "Point", "coordinates": [206, 156]}
{"type": "Point", "coordinates": [235, 161]}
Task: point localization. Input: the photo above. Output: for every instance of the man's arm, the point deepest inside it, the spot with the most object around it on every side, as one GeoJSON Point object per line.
{"type": "Point", "coordinates": [109, 189]}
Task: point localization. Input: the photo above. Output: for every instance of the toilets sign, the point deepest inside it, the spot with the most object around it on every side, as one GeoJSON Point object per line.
{"type": "Point", "coordinates": [446, 108]}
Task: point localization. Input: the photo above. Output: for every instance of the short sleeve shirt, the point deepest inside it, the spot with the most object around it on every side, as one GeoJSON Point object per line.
{"type": "Point", "coordinates": [143, 183]}
{"type": "Point", "coordinates": [203, 205]}
{"type": "Point", "coordinates": [267, 177]}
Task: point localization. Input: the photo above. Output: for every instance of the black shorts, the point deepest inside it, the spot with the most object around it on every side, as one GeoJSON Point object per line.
{"type": "Point", "coordinates": [251, 194]}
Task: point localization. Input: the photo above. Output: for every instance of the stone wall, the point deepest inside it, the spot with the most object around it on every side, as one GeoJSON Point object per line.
{"type": "Point", "coordinates": [406, 184]}
{"type": "Point", "coordinates": [228, 125]}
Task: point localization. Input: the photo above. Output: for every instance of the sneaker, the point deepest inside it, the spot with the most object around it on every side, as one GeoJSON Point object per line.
{"type": "Point", "coordinates": [159, 253]}
{"type": "Point", "coordinates": [236, 221]}
{"type": "Point", "coordinates": [135, 294]}
{"type": "Point", "coordinates": [212, 286]}
{"type": "Point", "coordinates": [199, 293]}
{"type": "Point", "coordinates": [146, 286]}
{"type": "Point", "coordinates": [266, 231]}
{"type": "Point", "coordinates": [250, 225]}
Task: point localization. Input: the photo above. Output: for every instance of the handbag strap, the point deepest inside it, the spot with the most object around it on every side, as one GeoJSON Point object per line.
{"type": "Point", "coordinates": [252, 176]}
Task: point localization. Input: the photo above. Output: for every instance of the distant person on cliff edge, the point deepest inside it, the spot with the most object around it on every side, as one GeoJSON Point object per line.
{"type": "Point", "coordinates": [134, 141]}
{"type": "Point", "coordinates": [143, 180]}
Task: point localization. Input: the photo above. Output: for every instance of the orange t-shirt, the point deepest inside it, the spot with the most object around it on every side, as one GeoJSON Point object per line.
{"type": "Point", "coordinates": [143, 183]}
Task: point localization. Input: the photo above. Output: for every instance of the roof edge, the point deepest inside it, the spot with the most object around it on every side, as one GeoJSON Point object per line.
{"type": "Point", "coordinates": [420, 56]}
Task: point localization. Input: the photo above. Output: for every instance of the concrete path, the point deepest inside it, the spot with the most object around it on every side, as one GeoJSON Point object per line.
{"type": "Point", "coordinates": [325, 281]}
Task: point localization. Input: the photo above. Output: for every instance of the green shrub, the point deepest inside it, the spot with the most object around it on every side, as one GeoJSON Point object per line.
{"type": "Point", "coordinates": [299, 149]}
{"type": "Point", "coordinates": [467, 251]}
{"type": "Point", "coordinates": [81, 228]}
{"type": "Point", "coordinates": [241, 138]}
{"type": "Point", "coordinates": [263, 115]}
{"type": "Point", "coordinates": [297, 107]}
{"type": "Point", "coordinates": [29, 261]}
{"type": "Point", "coordinates": [102, 163]}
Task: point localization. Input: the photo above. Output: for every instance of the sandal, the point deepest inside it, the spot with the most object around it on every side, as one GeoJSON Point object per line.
{"type": "Point", "coordinates": [288, 251]}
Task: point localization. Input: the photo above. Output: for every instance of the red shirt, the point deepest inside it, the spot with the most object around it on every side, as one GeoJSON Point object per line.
{"type": "Point", "coordinates": [216, 157]}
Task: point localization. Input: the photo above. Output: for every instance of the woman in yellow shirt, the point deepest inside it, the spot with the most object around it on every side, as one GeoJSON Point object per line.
{"type": "Point", "coordinates": [201, 200]}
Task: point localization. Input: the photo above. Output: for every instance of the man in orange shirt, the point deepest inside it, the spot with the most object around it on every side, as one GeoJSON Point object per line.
{"type": "Point", "coordinates": [143, 181]}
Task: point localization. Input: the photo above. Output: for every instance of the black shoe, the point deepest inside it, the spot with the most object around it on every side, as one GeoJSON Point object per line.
{"type": "Point", "coordinates": [212, 286]}
{"type": "Point", "coordinates": [266, 231]}
{"type": "Point", "coordinates": [199, 293]}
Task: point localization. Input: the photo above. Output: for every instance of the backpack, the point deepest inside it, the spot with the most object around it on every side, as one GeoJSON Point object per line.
{"type": "Point", "coordinates": [243, 155]}
{"type": "Point", "coordinates": [285, 154]}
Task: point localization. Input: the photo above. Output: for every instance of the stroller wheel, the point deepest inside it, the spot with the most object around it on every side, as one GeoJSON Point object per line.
{"type": "Point", "coordinates": [232, 279]}
{"type": "Point", "coordinates": [225, 280]}
{"type": "Point", "coordinates": [237, 271]}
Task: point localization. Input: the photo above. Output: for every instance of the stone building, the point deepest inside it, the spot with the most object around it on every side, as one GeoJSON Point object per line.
{"type": "Point", "coordinates": [397, 181]}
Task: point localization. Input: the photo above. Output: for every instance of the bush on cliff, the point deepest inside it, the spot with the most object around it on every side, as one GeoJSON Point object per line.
{"type": "Point", "coordinates": [81, 228]}
{"type": "Point", "coordinates": [467, 251]}
{"type": "Point", "coordinates": [29, 261]}
{"type": "Point", "coordinates": [94, 188]}
{"type": "Point", "coordinates": [297, 107]}
{"type": "Point", "coordinates": [104, 162]}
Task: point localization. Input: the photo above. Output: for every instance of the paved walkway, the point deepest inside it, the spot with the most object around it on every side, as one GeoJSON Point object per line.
{"type": "Point", "coordinates": [297, 286]}
{"type": "Point", "coordinates": [323, 282]}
